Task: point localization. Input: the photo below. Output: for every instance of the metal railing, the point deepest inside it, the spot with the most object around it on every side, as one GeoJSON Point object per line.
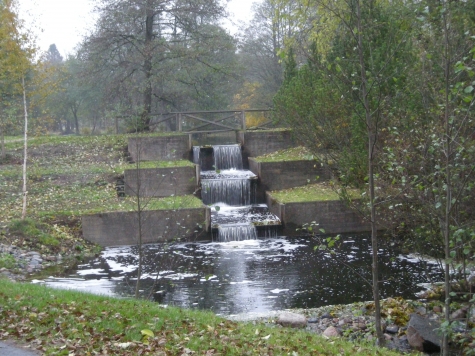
{"type": "Point", "coordinates": [206, 121]}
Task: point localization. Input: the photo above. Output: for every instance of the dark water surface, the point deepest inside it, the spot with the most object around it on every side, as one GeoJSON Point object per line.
{"type": "Point", "coordinates": [251, 276]}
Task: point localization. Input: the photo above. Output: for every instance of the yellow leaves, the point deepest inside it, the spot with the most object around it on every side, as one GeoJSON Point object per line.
{"type": "Point", "coordinates": [16, 48]}
{"type": "Point", "coordinates": [146, 334]}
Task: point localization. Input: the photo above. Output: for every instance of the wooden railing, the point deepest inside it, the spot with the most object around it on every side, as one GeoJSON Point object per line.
{"type": "Point", "coordinates": [206, 121]}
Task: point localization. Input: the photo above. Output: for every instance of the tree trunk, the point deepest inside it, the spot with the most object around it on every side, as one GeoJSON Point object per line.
{"type": "Point", "coordinates": [448, 182]}
{"type": "Point", "coordinates": [25, 147]}
{"type": "Point", "coordinates": [74, 110]}
{"type": "Point", "coordinates": [147, 68]}
{"type": "Point", "coordinates": [2, 129]}
{"type": "Point", "coordinates": [370, 127]}
{"type": "Point", "coordinates": [139, 215]}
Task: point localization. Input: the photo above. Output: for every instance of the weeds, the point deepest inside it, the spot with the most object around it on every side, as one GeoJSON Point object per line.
{"type": "Point", "coordinates": [7, 261]}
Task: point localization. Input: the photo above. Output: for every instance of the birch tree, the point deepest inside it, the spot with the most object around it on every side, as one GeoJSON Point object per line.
{"type": "Point", "coordinates": [16, 54]}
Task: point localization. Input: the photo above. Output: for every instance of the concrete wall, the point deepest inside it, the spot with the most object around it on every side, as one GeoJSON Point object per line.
{"type": "Point", "coordinates": [159, 148]}
{"type": "Point", "coordinates": [161, 182]}
{"type": "Point", "coordinates": [258, 143]}
{"type": "Point", "coordinates": [332, 216]}
{"type": "Point", "coordinates": [289, 174]}
{"type": "Point", "coordinates": [121, 228]}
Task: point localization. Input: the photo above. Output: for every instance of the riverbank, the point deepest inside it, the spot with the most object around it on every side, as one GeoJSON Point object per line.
{"type": "Point", "coordinates": [66, 322]}
{"type": "Point", "coordinates": [353, 322]}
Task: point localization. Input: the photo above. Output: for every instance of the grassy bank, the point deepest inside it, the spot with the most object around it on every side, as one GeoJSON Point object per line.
{"type": "Point", "coordinates": [64, 322]}
{"type": "Point", "coordinates": [68, 176]}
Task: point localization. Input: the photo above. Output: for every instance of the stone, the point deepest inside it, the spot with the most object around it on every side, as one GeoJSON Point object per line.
{"type": "Point", "coordinates": [331, 331]}
{"type": "Point", "coordinates": [392, 329]}
{"type": "Point", "coordinates": [471, 279]}
{"type": "Point", "coordinates": [459, 314]}
{"type": "Point", "coordinates": [421, 311]}
{"type": "Point", "coordinates": [342, 322]}
{"type": "Point", "coordinates": [292, 320]}
{"type": "Point", "coordinates": [422, 334]}
{"type": "Point", "coordinates": [437, 309]}
{"type": "Point", "coordinates": [387, 336]}
{"type": "Point", "coordinates": [326, 316]}
{"type": "Point", "coordinates": [312, 320]}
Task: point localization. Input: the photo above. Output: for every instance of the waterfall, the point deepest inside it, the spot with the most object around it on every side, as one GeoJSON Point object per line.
{"type": "Point", "coordinates": [235, 192]}
{"type": "Point", "coordinates": [228, 233]}
{"type": "Point", "coordinates": [227, 157]}
{"type": "Point", "coordinates": [196, 155]}
{"type": "Point", "coordinates": [224, 183]}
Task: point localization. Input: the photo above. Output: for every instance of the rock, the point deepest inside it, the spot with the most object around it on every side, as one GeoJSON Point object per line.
{"type": "Point", "coordinates": [421, 311]}
{"type": "Point", "coordinates": [292, 320]}
{"type": "Point", "coordinates": [471, 279]}
{"type": "Point", "coordinates": [331, 331]}
{"type": "Point", "coordinates": [392, 329]}
{"type": "Point", "coordinates": [415, 340]}
{"type": "Point", "coordinates": [326, 316]}
{"type": "Point", "coordinates": [437, 309]}
{"type": "Point", "coordinates": [361, 326]}
{"type": "Point", "coordinates": [422, 335]}
{"type": "Point", "coordinates": [459, 314]}
{"type": "Point", "coordinates": [312, 320]}
{"type": "Point", "coordinates": [387, 336]}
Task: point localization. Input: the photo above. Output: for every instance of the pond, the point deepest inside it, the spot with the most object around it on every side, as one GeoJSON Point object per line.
{"type": "Point", "coordinates": [251, 276]}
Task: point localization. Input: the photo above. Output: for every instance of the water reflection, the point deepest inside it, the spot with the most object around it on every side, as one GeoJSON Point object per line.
{"type": "Point", "coordinates": [251, 276]}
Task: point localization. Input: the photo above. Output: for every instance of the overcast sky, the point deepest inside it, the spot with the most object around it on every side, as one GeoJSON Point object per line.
{"type": "Point", "coordinates": [65, 22]}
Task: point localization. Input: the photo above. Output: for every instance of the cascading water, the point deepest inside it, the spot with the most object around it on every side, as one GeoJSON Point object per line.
{"type": "Point", "coordinates": [234, 192]}
{"type": "Point", "coordinates": [227, 157]}
{"type": "Point", "coordinates": [196, 155]}
{"type": "Point", "coordinates": [231, 191]}
{"type": "Point", "coordinates": [230, 233]}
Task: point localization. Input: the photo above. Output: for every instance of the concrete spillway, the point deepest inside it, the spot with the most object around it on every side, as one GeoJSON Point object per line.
{"type": "Point", "coordinates": [231, 191]}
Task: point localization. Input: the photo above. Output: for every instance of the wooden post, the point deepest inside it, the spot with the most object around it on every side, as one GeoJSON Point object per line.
{"type": "Point", "coordinates": [243, 120]}
{"type": "Point", "coordinates": [178, 122]}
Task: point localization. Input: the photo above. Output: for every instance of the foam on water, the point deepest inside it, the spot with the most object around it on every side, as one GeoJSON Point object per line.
{"type": "Point", "coordinates": [247, 276]}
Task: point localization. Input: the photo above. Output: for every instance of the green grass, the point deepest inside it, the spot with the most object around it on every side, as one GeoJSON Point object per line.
{"type": "Point", "coordinates": [73, 175]}
{"type": "Point", "coordinates": [7, 261]}
{"type": "Point", "coordinates": [290, 154]}
{"type": "Point", "coordinates": [161, 164]}
{"type": "Point", "coordinates": [59, 322]}
{"type": "Point", "coordinates": [310, 192]}
{"type": "Point", "coordinates": [34, 230]}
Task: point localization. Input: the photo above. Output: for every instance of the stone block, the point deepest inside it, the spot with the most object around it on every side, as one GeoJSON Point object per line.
{"type": "Point", "coordinates": [333, 216]}
{"type": "Point", "coordinates": [160, 182]}
{"type": "Point", "coordinates": [288, 174]}
{"type": "Point", "coordinates": [160, 148]}
{"type": "Point", "coordinates": [121, 228]}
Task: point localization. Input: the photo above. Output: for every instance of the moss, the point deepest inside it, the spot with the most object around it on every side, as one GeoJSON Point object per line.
{"type": "Point", "coordinates": [311, 192]}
